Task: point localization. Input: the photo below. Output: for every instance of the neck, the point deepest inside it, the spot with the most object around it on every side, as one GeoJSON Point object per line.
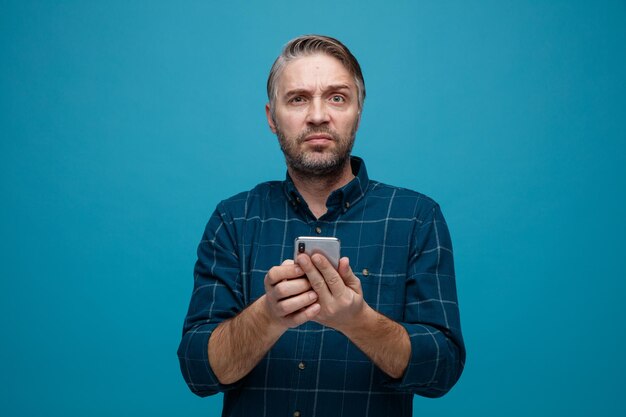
{"type": "Point", "coordinates": [316, 189]}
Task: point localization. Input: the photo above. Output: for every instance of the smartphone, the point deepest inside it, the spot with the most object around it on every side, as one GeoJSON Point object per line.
{"type": "Point", "coordinates": [327, 246]}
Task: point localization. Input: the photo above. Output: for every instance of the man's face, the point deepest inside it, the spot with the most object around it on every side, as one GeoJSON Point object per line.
{"type": "Point", "coordinates": [316, 114]}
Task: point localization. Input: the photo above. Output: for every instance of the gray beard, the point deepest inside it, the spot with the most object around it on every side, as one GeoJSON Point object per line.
{"type": "Point", "coordinates": [311, 164]}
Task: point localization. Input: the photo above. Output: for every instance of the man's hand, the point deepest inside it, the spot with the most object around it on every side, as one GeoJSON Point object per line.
{"type": "Point", "coordinates": [289, 299]}
{"type": "Point", "coordinates": [343, 308]}
{"type": "Point", "coordinates": [340, 294]}
{"type": "Point", "coordinates": [237, 345]}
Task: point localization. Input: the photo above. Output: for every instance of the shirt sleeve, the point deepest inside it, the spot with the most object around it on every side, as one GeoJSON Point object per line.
{"type": "Point", "coordinates": [217, 296]}
{"type": "Point", "coordinates": [431, 315]}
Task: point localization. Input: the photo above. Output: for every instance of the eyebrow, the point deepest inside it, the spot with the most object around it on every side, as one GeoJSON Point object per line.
{"type": "Point", "coordinates": [332, 87]}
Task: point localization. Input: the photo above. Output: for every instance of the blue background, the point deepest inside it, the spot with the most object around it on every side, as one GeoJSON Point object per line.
{"type": "Point", "coordinates": [123, 123]}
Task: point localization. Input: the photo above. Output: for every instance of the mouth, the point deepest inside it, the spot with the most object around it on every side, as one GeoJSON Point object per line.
{"type": "Point", "coordinates": [318, 138]}
{"type": "Point", "coordinates": [315, 136]}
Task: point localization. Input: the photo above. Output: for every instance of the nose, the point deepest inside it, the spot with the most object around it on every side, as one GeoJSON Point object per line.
{"type": "Point", "coordinates": [317, 112]}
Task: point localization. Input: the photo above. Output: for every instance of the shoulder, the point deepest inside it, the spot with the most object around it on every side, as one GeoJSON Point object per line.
{"type": "Point", "coordinates": [241, 203]}
{"type": "Point", "coordinates": [403, 199]}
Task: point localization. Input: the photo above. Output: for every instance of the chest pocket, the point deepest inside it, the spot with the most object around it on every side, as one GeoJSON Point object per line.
{"type": "Point", "coordinates": [383, 292]}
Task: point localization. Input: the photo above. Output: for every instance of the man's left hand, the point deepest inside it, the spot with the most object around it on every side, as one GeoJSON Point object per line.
{"type": "Point", "coordinates": [339, 291]}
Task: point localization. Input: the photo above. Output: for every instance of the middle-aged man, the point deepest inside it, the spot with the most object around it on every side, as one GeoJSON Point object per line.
{"type": "Point", "coordinates": [285, 338]}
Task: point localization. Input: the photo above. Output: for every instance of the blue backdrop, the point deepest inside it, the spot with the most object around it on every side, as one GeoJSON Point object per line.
{"type": "Point", "coordinates": [123, 123]}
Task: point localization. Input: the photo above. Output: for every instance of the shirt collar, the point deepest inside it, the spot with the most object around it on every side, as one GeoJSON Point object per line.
{"type": "Point", "coordinates": [343, 198]}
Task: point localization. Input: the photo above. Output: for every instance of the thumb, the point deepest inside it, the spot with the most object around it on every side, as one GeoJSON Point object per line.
{"type": "Point", "coordinates": [346, 273]}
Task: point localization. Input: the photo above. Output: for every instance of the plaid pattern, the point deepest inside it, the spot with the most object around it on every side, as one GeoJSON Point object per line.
{"type": "Point", "coordinates": [399, 247]}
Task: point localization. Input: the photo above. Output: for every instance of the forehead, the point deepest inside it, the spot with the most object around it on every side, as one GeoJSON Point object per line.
{"type": "Point", "coordinates": [314, 71]}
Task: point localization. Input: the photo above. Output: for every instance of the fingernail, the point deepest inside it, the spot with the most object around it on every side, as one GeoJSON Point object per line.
{"type": "Point", "coordinates": [299, 271]}
{"type": "Point", "coordinates": [312, 296]}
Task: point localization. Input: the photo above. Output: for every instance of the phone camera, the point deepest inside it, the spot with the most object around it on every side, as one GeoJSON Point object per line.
{"type": "Point", "coordinates": [301, 247]}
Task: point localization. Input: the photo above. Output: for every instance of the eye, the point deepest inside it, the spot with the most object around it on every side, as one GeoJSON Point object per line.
{"type": "Point", "coordinates": [337, 98]}
{"type": "Point", "coordinates": [296, 100]}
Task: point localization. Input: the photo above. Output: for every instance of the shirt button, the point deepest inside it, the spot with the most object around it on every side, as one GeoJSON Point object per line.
{"type": "Point", "coordinates": [301, 365]}
{"type": "Point", "coordinates": [296, 414]}
{"type": "Point", "coordinates": [366, 272]}
{"type": "Point", "coordinates": [318, 230]}
{"type": "Point", "coordinates": [347, 205]}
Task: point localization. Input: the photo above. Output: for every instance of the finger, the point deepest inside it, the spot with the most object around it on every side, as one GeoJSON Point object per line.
{"type": "Point", "coordinates": [331, 276]}
{"type": "Point", "coordinates": [280, 273]}
{"type": "Point", "coordinates": [348, 276]}
{"type": "Point", "coordinates": [304, 315]}
{"type": "Point", "coordinates": [287, 262]}
{"type": "Point", "coordinates": [291, 305]}
{"type": "Point", "coordinates": [315, 277]}
{"type": "Point", "coordinates": [291, 287]}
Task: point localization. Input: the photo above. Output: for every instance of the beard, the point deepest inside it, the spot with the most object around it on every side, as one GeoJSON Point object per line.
{"type": "Point", "coordinates": [318, 161]}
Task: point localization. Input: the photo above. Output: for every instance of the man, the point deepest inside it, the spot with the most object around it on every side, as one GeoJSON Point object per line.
{"type": "Point", "coordinates": [285, 338]}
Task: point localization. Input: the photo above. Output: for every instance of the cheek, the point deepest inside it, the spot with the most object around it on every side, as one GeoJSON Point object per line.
{"type": "Point", "coordinates": [349, 123]}
{"type": "Point", "coordinates": [289, 123]}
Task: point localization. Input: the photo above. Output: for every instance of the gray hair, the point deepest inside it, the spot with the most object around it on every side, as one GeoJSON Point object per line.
{"type": "Point", "coordinates": [309, 45]}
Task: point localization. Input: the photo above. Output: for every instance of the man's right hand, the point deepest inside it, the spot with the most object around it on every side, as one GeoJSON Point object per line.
{"type": "Point", "coordinates": [289, 299]}
{"type": "Point", "coordinates": [237, 345]}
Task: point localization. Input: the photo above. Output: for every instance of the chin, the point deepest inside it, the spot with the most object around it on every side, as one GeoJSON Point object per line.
{"type": "Point", "coordinates": [319, 158]}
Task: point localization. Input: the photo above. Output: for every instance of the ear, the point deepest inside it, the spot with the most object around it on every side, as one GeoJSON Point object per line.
{"type": "Point", "coordinates": [270, 121]}
{"type": "Point", "coordinates": [358, 121]}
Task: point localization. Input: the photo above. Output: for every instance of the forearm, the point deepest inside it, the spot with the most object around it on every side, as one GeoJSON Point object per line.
{"type": "Point", "coordinates": [382, 340]}
{"type": "Point", "coordinates": [237, 345]}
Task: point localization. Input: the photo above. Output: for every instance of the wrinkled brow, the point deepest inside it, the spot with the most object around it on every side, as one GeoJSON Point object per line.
{"type": "Point", "coordinates": [332, 87]}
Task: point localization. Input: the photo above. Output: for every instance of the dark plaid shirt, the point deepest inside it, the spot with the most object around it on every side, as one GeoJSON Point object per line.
{"type": "Point", "coordinates": [399, 247]}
